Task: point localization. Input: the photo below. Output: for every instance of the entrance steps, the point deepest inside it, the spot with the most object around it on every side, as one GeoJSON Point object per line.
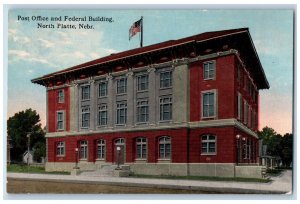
{"type": "Point", "coordinates": [108, 171]}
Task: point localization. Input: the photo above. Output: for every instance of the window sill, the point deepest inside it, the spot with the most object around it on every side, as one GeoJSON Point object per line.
{"type": "Point", "coordinates": [141, 160]}
{"type": "Point", "coordinates": [210, 117]}
{"type": "Point", "coordinates": [165, 121]}
{"type": "Point", "coordinates": [121, 94]}
{"type": "Point", "coordinates": [209, 79]}
{"type": "Point", "coordinates": [120, 125]}
{"type": "Point", "coordinates": [100, 159]}
{"type": "Point", "coordinates": [208, 154]}
{"type": "Point", "coordinates": [142, 91]}
{"type": "Point", "coordinates": [83, 100]}
{"type": "Point", "coordinates": [83, 160]}
{"type": "Point", "coordinates": [102, 96]}
{"type": "Point", "coordinates": [163, 160]}
{"type": "Point", "coordinates": [60, 156]}
{"type": "Point", "coordinates": [142, 123]}
{"type": "Point", "coordinates": [163, 88]}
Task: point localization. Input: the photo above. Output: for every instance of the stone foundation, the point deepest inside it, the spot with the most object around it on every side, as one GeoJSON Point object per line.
{"type": "Point", "coordinates": [174, 169]}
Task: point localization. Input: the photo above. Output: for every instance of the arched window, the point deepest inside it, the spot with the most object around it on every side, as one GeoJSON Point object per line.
{"type": "Point", "coordinates": [165, 147]}
{"type": "Point", "coordinates": [141, 148]}
{"type": "Point", "coordinates": [119, 141]}
{"type": "Point", "coordinates": [208, 144]}
{"type": "Point", "coordinates": [101, 149]}
{"type": "Point", "coordinates": [83, 149]}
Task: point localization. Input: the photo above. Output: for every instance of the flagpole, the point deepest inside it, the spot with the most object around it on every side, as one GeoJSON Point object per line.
{"type": "Point", "coordinates": [142, 31]}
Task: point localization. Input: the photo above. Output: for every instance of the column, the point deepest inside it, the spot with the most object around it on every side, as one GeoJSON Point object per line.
{"type": "Point", "coordinates": [180, 94]}
{"type": "Point", "coordinates": [92, 105]}
{"type": "Point", "coordinates": [152, 96]}
{"type": "Point", "coordinates": [130, 101]}
{"type": "Point", "coordinates": [111, 101]}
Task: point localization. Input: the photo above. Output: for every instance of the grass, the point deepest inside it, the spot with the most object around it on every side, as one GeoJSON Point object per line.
{"type": "Point", "coordinates": [274, 172]}
{"type": "Point", "coordinates": [17, 168]}
{"type": "Point", "coordinates": [204, 178]}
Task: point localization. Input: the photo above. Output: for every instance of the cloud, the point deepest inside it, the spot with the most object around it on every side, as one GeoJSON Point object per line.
{"type": "Point", "coordinates": [46, 43]}
{"type": "Point", "coordinates": [79, 54]}
{"type": "Point", "coordinates": [19, 53]}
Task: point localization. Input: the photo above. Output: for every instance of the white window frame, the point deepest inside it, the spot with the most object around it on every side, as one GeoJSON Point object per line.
{"type": "Point", "coordinates": [101, 83]}
{"type": "Point", "coordinates": [61, 96]}
{"type": "Point", "coordinates": [142, 143]}
{"type": "Point", "coordinates": [207, 143]}
{"type": "Point", "coordinates": [62, 120]}
{"type": "Point", "coordinates": [165, 81]}
{"type": "Point", "coordinates": [84, 150]}
{"type": "Point", "coordinates": [85, 96]}
{"type": "Point", "coordinates": [101, 148]}
{"type": "Point", "coordinates": [60, 149]}
{"type": "Point", "coordinates": [163, 142]}
{"type": "Point", "coordinates": [102, 109]}
{"type": "Point", "coordinates": [213, 91]}
{"type": "Point", "coordinates": [142, 82]}
{"type": "Point", "coordinates": [211, 68]}
{"type": "Point", "coordinates": [122, 85]}
{"type": "Point", "coordinates": [121, 106]}
{"type": "Point", "coordinates": [163, 105]}
{"type": "Point", "coordinates": [142, 111]}
{"type": "Point", "coordinates": [85, 110]}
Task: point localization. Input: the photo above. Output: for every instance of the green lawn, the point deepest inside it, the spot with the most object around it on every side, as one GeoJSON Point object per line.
{"type": "Point", "coordinates": [31, 169]}
{"type": "Point", "coordinates": [205, 178]}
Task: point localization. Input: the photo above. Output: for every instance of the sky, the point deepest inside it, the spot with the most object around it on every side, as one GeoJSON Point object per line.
{"type": "Point", "coordinates": [33, 52]}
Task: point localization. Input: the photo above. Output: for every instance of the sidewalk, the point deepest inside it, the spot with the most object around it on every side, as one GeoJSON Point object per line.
{"type": "Point", "coordinates": [280, 185]}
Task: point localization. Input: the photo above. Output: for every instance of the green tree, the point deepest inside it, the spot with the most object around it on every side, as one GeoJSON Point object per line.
{"type": "Point", "coordinates": [287, 149]}
{"type": "Point", "coordinates": [19, 126]}
{"type": "Point", "coordinates": [266, 134]}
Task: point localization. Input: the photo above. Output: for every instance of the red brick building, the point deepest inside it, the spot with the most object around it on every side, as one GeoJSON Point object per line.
{"type": "Point", "coordinates": [180, 107]}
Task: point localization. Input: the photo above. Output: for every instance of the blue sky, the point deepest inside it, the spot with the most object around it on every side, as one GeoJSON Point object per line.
{"type": "Point", "coordinates": [35, 52]}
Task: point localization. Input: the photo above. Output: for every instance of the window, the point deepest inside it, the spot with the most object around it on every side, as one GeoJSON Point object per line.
{"type": "Point", "coordinates": [101, 149]}
{"type": "Point", "coordinates": [240, 105]}
{"type": "Point", "coordinates": [246, 112]}
{"type": "Point", "coordinates": [83, 149]}
{"type": "Point", "coordinates": [209, 70]}
{"type": "Point", "coordinates": [102, 115]}
{"type": "Point", "coordinates": [85, 92]}
{"type": "Point", "coordinates": [141, 148]}
{"type": "Point", "coordinates": [165, 147]}
{"type": "Point", "coordinates": [166, 79]}
{"type": "Point", "coordinates": [60, 120]}
{"type": "Point", "coordinates": [208, 144]}
{"type": "Point", "coordinates": [85, 113]}
{"type": "Point", "coordinates": [166, 108]}
{"type": "Point", "coordinates": [61, 96]}
{"type": "Point", "coordinates": [60, 149]}
{"type": "Point", "coordinates": [142, 82]}
{"type": "Point", "coordinates": [121, 112]}
{"type": "Point", "coordinates": [142, 111]}
{"type": "Point", "coordinates": [103, 89]}
{"type": "Point", "coordinates": [208, 104]}
{"type": "Point", "coordinates": [121, 85]}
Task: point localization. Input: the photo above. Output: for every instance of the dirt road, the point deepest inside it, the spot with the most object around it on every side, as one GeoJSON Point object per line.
{"type": "Point", "coordinates": [27, 186]}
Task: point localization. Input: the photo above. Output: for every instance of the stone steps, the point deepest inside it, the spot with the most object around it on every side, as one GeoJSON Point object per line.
{"type": "Point", "coordinates": [104, 171]}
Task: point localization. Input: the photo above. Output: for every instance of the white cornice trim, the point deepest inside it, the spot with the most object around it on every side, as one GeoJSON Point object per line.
{"type": "Point", "coordinates": [200, 124]}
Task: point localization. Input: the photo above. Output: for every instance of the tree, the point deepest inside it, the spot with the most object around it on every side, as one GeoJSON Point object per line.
{"type": "Point", "coordinates": [287, 149]}
{"type": "Point", "coordinates": [19, 126]}
{"type": "Point", "coordinates": [266, 134]}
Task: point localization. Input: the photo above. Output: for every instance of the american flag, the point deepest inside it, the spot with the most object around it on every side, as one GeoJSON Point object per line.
{"type": "Point", "coordinates": [135, 28]}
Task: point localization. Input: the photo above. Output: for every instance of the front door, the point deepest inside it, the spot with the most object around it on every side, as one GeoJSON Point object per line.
{"type": "Point", "coordinates": [119, 154]}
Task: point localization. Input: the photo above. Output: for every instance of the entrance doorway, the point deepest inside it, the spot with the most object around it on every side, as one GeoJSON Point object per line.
{"type": "Point", "coordinates": [119, 151]}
